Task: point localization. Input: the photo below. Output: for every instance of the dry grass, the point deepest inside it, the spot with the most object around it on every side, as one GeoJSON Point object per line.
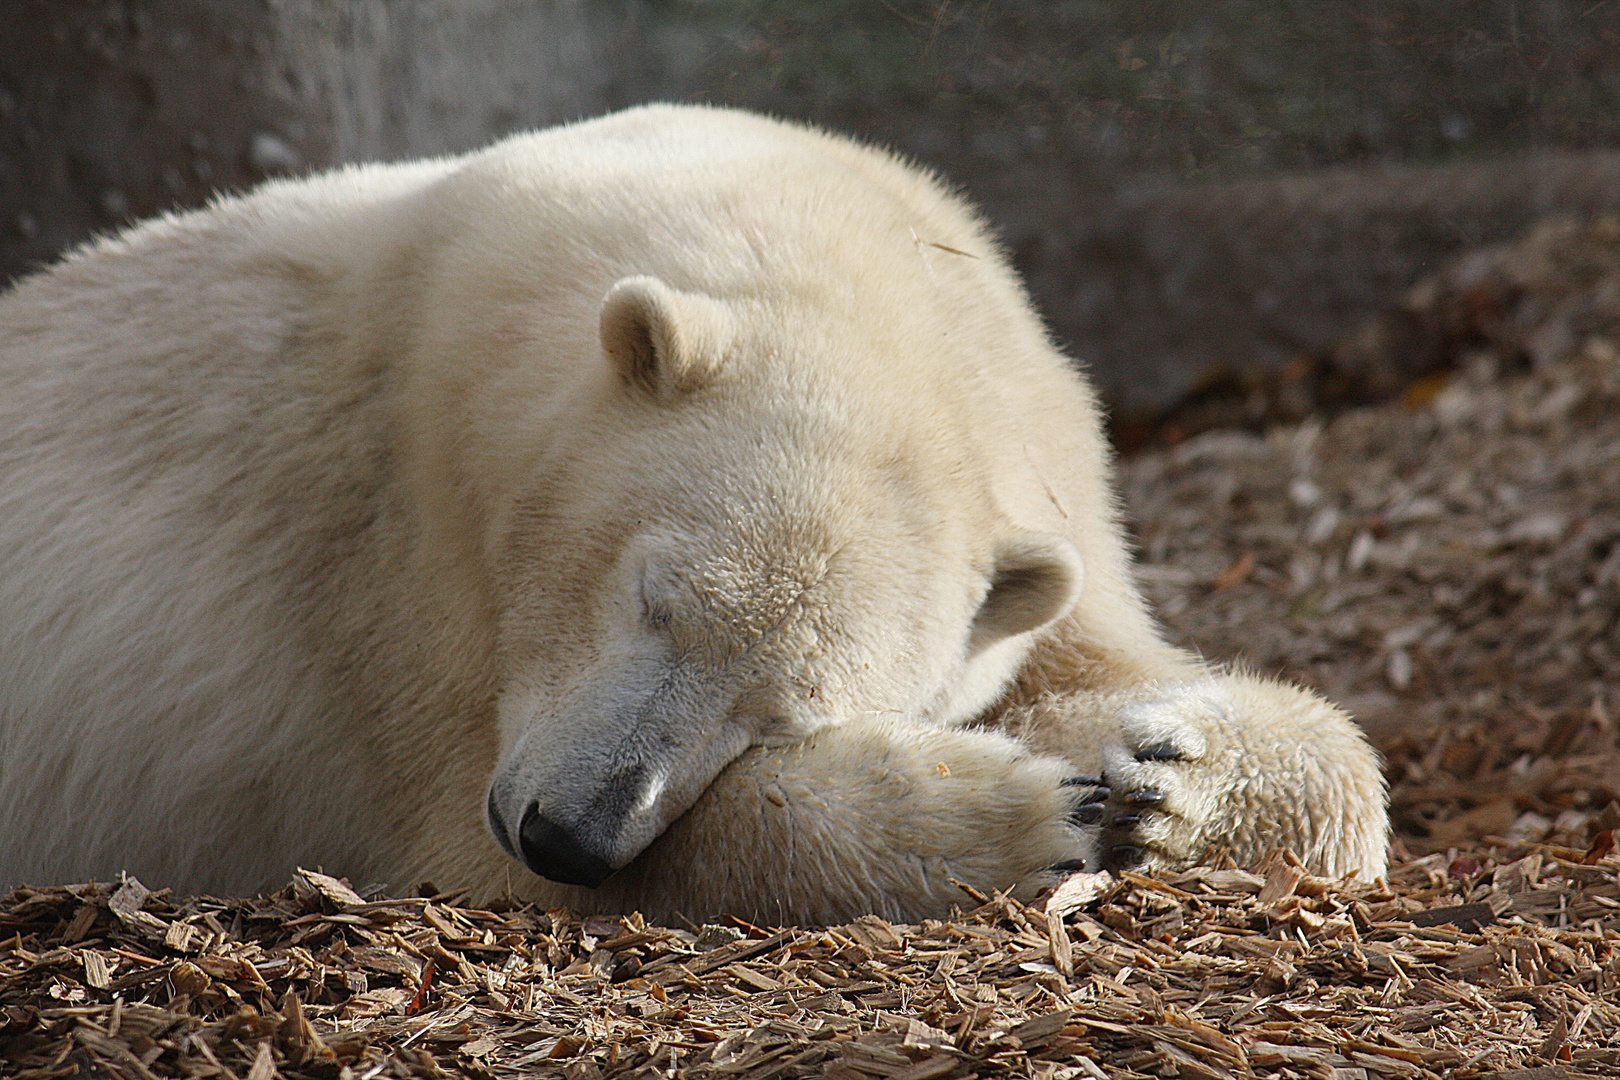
{"type": "Point", "coordinates": [1449, 566]}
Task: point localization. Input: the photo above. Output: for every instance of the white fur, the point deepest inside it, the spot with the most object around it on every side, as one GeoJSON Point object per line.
{"type": "Point", "coordinates": [682, 456]}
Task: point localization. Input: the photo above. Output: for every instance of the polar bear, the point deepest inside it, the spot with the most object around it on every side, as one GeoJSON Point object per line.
{"type": "Point", "coordinates": [680, 510]}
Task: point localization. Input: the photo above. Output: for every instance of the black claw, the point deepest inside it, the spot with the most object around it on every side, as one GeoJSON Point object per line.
{"type": "Point", "coordinates": [1145, 797]}
{"type": "Point", "coordinates": [1081, 781]}
{"type": "Point", "coordinates": [1099, 794]}
{"type": "Point", "coordinates": [1072, 866]}
{"type": "Point", "coordinates": [1164, 751]}
{"type": "Point", "coordinates": [1125, 821]}
{"type": "Point", "coordinates": [1127, 855]}
{"type": "Point", "coordinates": [1086, 814]}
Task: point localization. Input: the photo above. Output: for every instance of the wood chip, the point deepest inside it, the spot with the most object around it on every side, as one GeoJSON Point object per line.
{"type": "Point", "coordinates": [1462, 916]}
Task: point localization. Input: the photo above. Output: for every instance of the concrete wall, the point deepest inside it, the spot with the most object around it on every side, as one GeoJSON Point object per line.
{"type": "Point", "coordinates": [1189, 187]}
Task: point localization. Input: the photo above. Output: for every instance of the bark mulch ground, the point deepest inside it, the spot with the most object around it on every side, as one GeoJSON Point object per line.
{"type": "Point", "coordinates": [1456, 966]}
{"type": "Point", "coordinates": [1447, 565]}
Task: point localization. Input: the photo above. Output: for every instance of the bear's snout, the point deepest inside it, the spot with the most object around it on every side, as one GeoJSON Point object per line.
{"type": "Point", "coordinates": [586, 789]}
{"type": "Point", "coordinates": [555, 853]}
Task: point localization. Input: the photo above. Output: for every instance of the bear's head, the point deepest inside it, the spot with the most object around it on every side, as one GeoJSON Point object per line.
{"type": "Point", "coordinates": [732, 541]}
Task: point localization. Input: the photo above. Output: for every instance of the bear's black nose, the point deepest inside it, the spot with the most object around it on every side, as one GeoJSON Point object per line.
{"type": "Point", "coordinates": [552, 852]}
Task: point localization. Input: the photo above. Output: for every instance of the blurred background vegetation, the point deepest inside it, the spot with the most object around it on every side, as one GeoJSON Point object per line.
{"type": "Point", "coordinates": [1196, 190]}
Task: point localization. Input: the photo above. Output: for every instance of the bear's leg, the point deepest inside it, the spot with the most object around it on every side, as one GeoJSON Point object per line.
{"type": "Point", "coordinates": [1223, 762]}
{"type": "Point", "coordinates": [869, 816]}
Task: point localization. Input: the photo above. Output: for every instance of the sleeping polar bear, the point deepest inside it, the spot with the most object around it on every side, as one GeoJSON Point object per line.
{"type": "Point", "coordinates": [683, 505]}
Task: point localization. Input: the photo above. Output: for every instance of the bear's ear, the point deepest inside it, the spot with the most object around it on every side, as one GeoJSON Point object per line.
{"type": "Point", "coordinates": [664, 342]}
{"type": "Point", "coordinates": [1037, 578]}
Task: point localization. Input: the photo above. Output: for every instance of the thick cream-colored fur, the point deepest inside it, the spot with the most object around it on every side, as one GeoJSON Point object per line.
{"type": "Point", "coordinates": [702, 484]}
{"type": "Point", "coordinates": [1260, 766]}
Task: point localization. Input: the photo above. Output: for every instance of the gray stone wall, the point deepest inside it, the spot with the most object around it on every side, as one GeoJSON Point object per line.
{"type": "Point", "coordinates": [1190, 187]}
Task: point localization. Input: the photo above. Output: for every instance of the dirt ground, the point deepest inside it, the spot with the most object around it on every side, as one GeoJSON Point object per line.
{"type": "Point", "coordinates": [1446, 564]}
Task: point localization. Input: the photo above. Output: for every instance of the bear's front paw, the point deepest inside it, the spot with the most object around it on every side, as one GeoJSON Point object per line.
{"type": "Point", "coordinates": [1164, 786]}
{"type": "Point", "coordinates": [1245, 766]}
{"type": "Point", "coordinates": [872, 816]}
{"type": "Point", "coordinates": [1067, 835]}
{"type": "Point", "coordinates": [1003, 818]}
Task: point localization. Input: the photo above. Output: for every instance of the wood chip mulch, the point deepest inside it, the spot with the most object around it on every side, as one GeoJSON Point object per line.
{"type": "Point", "coordinates": [1447, 565]}
{"type": "Point", "coordinates": [1466, 967]}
